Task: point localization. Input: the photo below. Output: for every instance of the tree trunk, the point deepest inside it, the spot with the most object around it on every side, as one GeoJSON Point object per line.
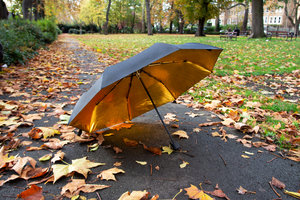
{"type": "Point", "coordinates": [105, 27]}
{"type": "Point", "coordinates": [3, 10]}
{"type": "Point", "coordinates": [143, 16]}
{"type": "Point", "coordinates": [257, 19]}
{"type": "Point", "coordinates": [181, 22]}
{"type": "Point", "coordinates": [171, 27]}
{"type": "Point", "coordinates": [149, 26]}
{"type": "Point", "coordinates": [200, 29]}
{"type": "Point", "coordinates": [245, 21]}
{"type": "Point", "coordinates": [27, 9]}
{"type": "Point", "coordinates": [217, 28]}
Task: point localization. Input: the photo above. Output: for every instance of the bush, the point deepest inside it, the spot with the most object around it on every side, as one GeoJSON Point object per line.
{"type": "Point", "coordinates": [49, 29]}
{"type": "Point", "coordinates": [21, 38]}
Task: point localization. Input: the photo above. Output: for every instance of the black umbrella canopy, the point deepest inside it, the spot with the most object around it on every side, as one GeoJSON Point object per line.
{"type": "Point", "coordinates": [165, 70]}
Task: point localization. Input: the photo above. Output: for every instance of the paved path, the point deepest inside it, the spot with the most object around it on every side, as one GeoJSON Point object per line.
{"type": "Point", "coordinates": [211, 160]}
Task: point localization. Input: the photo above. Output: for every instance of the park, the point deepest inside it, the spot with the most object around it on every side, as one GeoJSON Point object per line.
{"type": "Point", "coordinates": [96, 105]}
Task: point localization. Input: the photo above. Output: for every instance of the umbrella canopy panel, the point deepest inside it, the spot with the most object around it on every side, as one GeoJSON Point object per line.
{"type": "Point", "coordinates": [165, 79]}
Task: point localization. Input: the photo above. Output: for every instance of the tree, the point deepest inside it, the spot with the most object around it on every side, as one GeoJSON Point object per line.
{"type": "Point", "coordinates": [200, 11]}
{"type": "Point", "coordinates": [91, 11]}
{"type": "Point", "coordinates": [257, 19]}
{"type": "Point", "coordinates": [143, 16]}
{"type": "Point", "coordinates": [27, 9]}
{"type": "Point", "coordinates": [149, 25]}
{"type": "Point", "coordinates": [3, 10]}
{"type": "Point", "coordinates": [105, 27]}
{"type": "Point", "coordinates": [244, 3]}
{"type": "Point", "coordinates": [291, 8]}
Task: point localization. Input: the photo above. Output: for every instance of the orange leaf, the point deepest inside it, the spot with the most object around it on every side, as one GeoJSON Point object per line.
{"type": "Point", "coordinates": [154, 150]}
{"type": "Point", "coordinates": [33, 193]}
{"type": "Point", "coordinates": [194, 193]}
{"type": "Point", "coordinates": [130, 143]}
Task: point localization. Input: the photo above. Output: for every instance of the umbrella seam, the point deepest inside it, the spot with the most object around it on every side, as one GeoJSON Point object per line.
{"type": "Point", "coordinates": [159, 81]}
{"type": "Point", "coordinates": [109, 91]}
{"type": "Point", "coordinates": [127, 97]}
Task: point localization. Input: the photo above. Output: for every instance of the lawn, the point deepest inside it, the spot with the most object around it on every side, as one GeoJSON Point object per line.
{"type": "Point", "coordinates": [262, 75]}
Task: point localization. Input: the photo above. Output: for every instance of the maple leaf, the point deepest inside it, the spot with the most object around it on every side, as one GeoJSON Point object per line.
{"type": "Point", "coordinates": [181, 134]}
{"type": "Point", "coordinates": [21, 162]}
{"type": "Point", "coordinates": [81, 166]}
{"type": "Point", "coordinates": [31, 117]}
{"type": "Point", "coordinates": [134, 195]}
{"type": "Point", "coordinates": [109, 174]}
{"type": "Point", "coordinates": [34, 192]}
{"type": "Point", "coordinates": [78, 185]}
{"type": "Point", "coordinates": [194, 193]}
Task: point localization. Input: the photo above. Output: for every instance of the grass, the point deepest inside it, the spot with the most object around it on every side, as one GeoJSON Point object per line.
{"type": "Point", "coordinates": [250, 58]}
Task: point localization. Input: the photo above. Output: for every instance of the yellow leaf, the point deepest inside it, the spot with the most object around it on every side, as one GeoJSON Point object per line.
{"type": "Point", "coordinates": [109, 174]}
{"type": "Point", "coordinates": [134, 195]}
{"type": "Point", "coordinates": [244, 156]}
{"type": "Point", "coordinates": [45, 157]}
{"type": "Point", "coordinates": [194, 193]}
{"type": "Point", "coordinates": [293, 194]}
{"type": "Point", "coordinates": [141, 162]}
{"type": "Point", "coordinates": [215, 134]}
{"type": "Point", "coordinates": [108, 134]}
{"type": "Point", "coordinates": [167, 150]}
{"type": "Point", "coordinates": [181, 134]}
{"type": "Point", "coordinates": [184, 164]}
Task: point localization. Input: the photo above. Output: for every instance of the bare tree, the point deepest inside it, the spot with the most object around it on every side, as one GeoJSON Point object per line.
{"type": "Point", "coordinates": [3, 10]}
{"type": "Point", "coordinates": [291, 12]}
{"type": "Point", "coordinates": [149, 25]}
{"type": "Point", "coordinates": [105, 27]}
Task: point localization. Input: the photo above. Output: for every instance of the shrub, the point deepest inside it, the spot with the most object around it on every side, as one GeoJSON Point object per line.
{"type": "Point", "coordinates": [49, 29]}
{"type": "Point", "coordinates": [21, 38]}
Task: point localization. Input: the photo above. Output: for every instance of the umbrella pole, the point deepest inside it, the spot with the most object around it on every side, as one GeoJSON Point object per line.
{"type": "Point", "coordinates": [174, 144]}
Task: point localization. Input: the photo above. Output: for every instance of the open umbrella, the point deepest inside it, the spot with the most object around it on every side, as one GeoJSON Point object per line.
{"type": "Point", "coordinates": [152, 78]}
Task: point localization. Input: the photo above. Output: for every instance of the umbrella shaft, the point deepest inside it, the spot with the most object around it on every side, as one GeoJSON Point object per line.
{"type": "Point", "coordinates": [174, 144]}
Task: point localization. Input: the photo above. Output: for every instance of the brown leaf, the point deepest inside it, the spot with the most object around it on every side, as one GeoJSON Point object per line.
{"type": "Point", "coordinates": [271, 147]}
{"type": "Point", "coordinates": [181, 134]}
{"type": "Point", "coordinates": [209, 124]}
{"type": "Point", "coordinates": [242, 190]}
{"type": "Point", "coordinates": [21, 162]}
{"type": "Point", "coordinates": [78, 185]}
{"type": "Point", "coordinates": [109, 174]}
{"type": "Point", "coordinates": [72, 137]}
{"type": "Point", "coordinates": [55, 143]}
{"type": "Point", "coordinates": [154, 150]}
{"type": "Point", "coordinates": [277, 183]}
{"type": "Point", "coordinates": [120, 126]}
{"type": "Point", "coordinates": [130, 143]}
{"type": "Point", "coordinates": [218, 193]}
{"type": "Point", "coordinates": [134, 195]}
{"type": "Point", "coordinates": [33, 193]}
{"type": "Point", "coordinates": [117, 150]}
{"type": "Point", "coordinates": [58, 156]}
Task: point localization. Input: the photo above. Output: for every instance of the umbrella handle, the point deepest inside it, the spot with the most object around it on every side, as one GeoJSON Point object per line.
{"type": "Point", "coordinates": [174, 144]}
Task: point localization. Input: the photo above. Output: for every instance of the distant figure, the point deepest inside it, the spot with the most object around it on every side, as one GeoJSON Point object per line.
{"type": "Point", "coordinates": [229, 30]}
{"type": "Point", "coordinates": [237, 31]}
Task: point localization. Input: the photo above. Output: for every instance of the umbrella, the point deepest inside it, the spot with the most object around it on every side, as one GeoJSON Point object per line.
{"type": "Point", "coordinates": [152, 78]}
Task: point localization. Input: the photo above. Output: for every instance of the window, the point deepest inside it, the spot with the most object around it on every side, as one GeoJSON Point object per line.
{"type": "Point", "coordinates": [275, 18]}
{"type": "Point", "coordinates": [271, 20]}
{"type": "Point", "coordinates": [266, 20]}
{"type": "Point", "coordinates": [279, 20]}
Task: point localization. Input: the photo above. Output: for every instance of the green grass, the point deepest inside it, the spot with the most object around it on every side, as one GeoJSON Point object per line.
{"type": "Point", "coordinates": [279, 106]}
{"type": "Point", "coordinates": [248, 57]}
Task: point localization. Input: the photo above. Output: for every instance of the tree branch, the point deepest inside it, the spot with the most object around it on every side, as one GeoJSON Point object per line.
{"type": "Point", "coordinates": [238, 4]}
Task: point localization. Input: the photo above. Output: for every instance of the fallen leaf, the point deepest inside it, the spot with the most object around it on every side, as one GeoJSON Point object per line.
{"type": "Point", "coordinates": [21, 162]}
{"type": "Point", "coordinates": [293, 194]}
{"type": "Point", "coordinates": [166, 149]}
{"type": "Point", "coordinates": [184, 164]}
{"type": "Point", "coordinates": [81, 166]}
{"type": "Point", "coordinates": [228, 122]}
{"type": "Point", "coordinates": [271, 147]}
{"type": "Point", "coordinates": [181, 134]}
{"type": "Point", "coordinates": [194, 193]}
{"type": "Point", "coordinates": [215, 134]}
{"type": "Point", "coordinates": [196, 130]}
{"type": "Point", "coordinates": [117, 164]}
{"type": "Point", "coordinates": [45, 157]}
{"type": "Point", "coordinates": [33, 193]}
{"type": "Point", "coordinates": [244, 156]}
{"type": "Point", "coordinates": [55, 143]}
{"type": "Point", "coordinates": [209, 124]}
{"type": "Point", "coordinates": [141, 162]}
{"type": "Point", "coordinates": [58, 156]}
{"type": "Point", "coordinates": [242, 190]}
{"type": "Point", "coordinates": [78, 185]}
{"type": "Point", "coordinates": [38, 132]}
{"type": "Point", "coordinates": [117, 150]}
{"type": "Point", "coordinates": [120, 126]}
{"type": "Point", "coordinates": [109, 174]}
{"type": "Point", "coordinates": [93, 147]}
{"type": "Point", "coordinates": [218, 193]}
{"type": "Point", "coordinates": [154, 150]}
{"type": "Point", "coordinates": [134, 195]}
{"type": "Point", "coordinates": [130, 143]}
{"type": "Point", "coordinates": [277, 183]}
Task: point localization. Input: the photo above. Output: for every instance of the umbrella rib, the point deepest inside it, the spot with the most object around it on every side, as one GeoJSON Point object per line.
{"type": "Point", "coordinates": [109, 91]}
{"type": "Point", "coordinates": [158, 81]}
{"type": "Point", "coordinates": [127, 97]}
